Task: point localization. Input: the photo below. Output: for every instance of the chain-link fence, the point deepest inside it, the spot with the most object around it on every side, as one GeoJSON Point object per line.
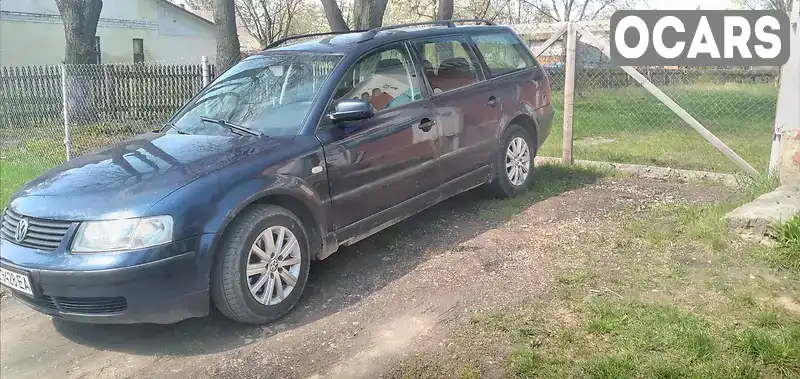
{"type": "Point", "coordinates": [617, 120]}
{"type": "Point", "coordinates": [104, 104]}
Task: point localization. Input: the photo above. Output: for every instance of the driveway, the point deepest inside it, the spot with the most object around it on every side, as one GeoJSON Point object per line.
{"type": "Point", "coordinates": [368, 307]}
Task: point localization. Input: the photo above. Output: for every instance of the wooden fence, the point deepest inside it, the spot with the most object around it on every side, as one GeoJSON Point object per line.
{"type": "Point", "coordinates": [111, 92]}
{"type": "Point", "coordinates": [30, 95]}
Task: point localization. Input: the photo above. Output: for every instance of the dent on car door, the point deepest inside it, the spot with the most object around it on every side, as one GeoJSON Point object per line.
{"type": "Point", "coordinates": [462, 99]}
{"type": "Point", "coordinates": [379, 162]}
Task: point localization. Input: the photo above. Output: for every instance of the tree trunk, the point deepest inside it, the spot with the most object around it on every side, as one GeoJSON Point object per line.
{"type": "Point", "coordinates": [80, 19]}
{"type": "Point", "coordinates": [368, 14]}
{"type": "Point", "coordinates": [227, 38]}
{"type": "Point", "coordinates": [445, 11]}
{"type": "Point", "coordinates": [334, 16]}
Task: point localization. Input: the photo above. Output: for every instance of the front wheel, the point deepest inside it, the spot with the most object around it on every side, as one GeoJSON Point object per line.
{"type": "Point", "coordinates": [262, 266]}
{"type": "Point", "coordinates": [513, 162]}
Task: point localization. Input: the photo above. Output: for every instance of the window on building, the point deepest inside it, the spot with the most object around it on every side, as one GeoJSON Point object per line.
{"type": "Point", "coordinates": [448, 62]}
{"type": "Point", "coordinates": [503, 53]}
{"type": "Point", "coordinates": [138, 50]}
{"type": "Point", "coordinates": [97, 50]}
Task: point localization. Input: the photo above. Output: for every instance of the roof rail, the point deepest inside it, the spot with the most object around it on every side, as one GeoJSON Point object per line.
{"type": "Point", "coordinates": [449, 23]}
{"type": "Point", "coordinates": [298, 36]}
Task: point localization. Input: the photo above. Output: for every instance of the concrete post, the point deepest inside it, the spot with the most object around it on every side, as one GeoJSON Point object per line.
{"type": "Point", "coordinates": [205, 70]}
{"type": "Point", "coordinates": [787, 119]}
{"type": "Point", "coordinates": [65, 110]}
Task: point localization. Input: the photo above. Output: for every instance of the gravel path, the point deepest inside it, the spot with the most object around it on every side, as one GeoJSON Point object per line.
{"type": "Point", "coordinates": [368, 307]}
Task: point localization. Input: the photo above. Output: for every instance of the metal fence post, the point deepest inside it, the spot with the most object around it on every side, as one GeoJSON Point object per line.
{"type": "Point", "coordinates": [204, 64]}
{"type": "Point", "coordinates": [569, 93]}
{"type": "Point", "coordinates": [65, 110]}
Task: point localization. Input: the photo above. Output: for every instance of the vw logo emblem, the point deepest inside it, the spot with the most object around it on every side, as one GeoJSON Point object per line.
{"type": "Point", "coordinates": [22, 230]}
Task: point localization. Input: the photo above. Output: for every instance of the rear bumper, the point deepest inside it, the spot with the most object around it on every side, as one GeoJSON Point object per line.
{"type": "Point", "coordinates": [162, 291]}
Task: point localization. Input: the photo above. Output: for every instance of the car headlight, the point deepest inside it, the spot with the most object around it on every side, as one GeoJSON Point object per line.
{"type": "Point", "coordinates": [128, 234]}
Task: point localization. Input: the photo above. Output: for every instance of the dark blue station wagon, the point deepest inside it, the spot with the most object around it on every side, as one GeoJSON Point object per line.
{"type": "Point", "coordinates": [315, 143]}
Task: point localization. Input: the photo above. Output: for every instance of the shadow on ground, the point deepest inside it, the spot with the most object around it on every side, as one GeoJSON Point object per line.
{"type": "Point", "coordinates": [343, 279]}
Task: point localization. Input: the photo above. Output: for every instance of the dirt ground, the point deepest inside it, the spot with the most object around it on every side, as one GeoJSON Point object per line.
{"type": "Point", "coordinates": [369, 308]}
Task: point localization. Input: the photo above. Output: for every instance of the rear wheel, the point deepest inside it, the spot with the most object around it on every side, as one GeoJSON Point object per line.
{"type": "Point", "coordinates": [513, 162]}
{"type": "Point", "coordinates": [262, 266]}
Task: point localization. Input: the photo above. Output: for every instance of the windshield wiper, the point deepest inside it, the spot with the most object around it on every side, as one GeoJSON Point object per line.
{"type": "Point", "coordinates": [171, 125]}
{"type": "Point", "coordinates": [232, 126]}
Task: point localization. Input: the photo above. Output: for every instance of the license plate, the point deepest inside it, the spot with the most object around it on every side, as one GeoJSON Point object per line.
{"type": "Point", "coordinates": [16, 281]}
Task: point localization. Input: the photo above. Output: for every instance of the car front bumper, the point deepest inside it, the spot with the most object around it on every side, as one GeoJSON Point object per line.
{"type": "Point", "coordinates": [159, 285]}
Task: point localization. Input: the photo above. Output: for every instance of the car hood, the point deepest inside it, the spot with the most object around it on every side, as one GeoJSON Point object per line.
{"type": "Point", "coordinates": [126, 179]}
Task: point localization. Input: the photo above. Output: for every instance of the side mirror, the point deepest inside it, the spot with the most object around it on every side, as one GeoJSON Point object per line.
{"type": "Point", "coordinates": [352, 110]}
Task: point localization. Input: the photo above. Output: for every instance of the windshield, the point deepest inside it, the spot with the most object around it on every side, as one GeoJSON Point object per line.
{"type": "Point", "coordinates": [270, 94]}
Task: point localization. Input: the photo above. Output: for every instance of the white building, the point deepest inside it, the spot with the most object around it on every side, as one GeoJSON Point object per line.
{"type": "Point", "coordinates": [31, 33]}
{"type": "Point", "coordinates": [247, 42]}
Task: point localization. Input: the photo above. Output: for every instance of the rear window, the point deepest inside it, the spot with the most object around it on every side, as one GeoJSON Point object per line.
{"type": "Point", "coordinates": [503, 53]}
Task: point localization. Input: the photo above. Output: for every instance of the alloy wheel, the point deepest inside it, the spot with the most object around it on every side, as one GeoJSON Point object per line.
{"type": "Point", "coordinates": [518, 161]}
{"type": "Point", "coordinates": [273, 265]}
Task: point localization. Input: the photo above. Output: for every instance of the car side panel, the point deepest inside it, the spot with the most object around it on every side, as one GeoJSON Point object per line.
{"type": "Point", "coordinates": [468, 125]}
{"type": "Point", "coordinates": [519, 94]}
{"type": "Point", "coordinates": [377, 163]}
{"type": "Point", "coordinates": [223, 195]}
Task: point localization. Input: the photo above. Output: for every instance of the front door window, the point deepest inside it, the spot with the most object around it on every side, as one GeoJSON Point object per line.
{"type": "Point", "coordinates": [386, 79]}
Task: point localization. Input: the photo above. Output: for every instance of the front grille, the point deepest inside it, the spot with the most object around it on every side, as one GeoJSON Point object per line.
{"type": "Point", "coordinates": [92, 305]}
{"type": "Point", "coordinates": [42, 234]}
{"type": "Point", "coordinates": [82, 305]}
{"type": "Point", "coordinates": [43, 301]}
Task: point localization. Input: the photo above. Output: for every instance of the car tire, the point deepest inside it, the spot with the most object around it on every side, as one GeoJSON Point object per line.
{"type": "Point", "coordinates": [504, 183]}
{"type": "Point", "coordinates": [238, 265]}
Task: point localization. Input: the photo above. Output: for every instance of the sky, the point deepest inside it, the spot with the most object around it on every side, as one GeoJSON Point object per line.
{"type": "Point", "coordinates": [690, 4]}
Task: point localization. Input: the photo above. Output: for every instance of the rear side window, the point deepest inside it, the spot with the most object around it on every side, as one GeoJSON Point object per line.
{"type": "Point", "coordinates": [448, 62]}
{"type": "Point", "coordinates": [503, 53]}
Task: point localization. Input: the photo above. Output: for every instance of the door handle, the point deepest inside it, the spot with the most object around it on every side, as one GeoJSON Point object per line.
{"type": "Point", "coordinates": [426, 124]}
{"type": "Point", "coordinates": [493, 101]}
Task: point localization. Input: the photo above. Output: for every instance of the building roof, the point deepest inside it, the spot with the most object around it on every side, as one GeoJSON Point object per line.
{"type": "Point", "coordinates": [247, 42]}
{"type": "Point", "coordinates": [182, 9]}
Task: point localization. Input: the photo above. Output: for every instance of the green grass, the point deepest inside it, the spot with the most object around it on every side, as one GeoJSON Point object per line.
{"type": "Point", "coordinates": [549, 180]}
{"type": "Point", "coordinates": [469, 372]}
{"type": "Point", "coordinates": [788, 236]}
{"type": "Point", "coordinates": [678, 296]}
{"type": "Point", "coordinates": [789, 233]}
{"type": "Point", "coordinates": [24, 160]}
{"type": "Point", "coordinates": [628, 125]}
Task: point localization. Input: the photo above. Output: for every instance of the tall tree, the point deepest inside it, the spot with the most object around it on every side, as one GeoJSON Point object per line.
{"type": "Point", "coordinates": [227, 39]}
{"type": "Point", "coordinates": [501, 11]}
{"type": "Point", "coordinates": [776, 5]}
{"type": "Point", "coordinates": [367, 14]}
{"type": "Point", "coordinates": [268, 20]}
{"type": "Point", "coordinates": [334, 15]}
{"type": "Point", "coordinates": [578, 10]}
{"type": "Point", "coordinates": [445, 10]}
{"type": "Point", "coordinates": [80, 19]}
